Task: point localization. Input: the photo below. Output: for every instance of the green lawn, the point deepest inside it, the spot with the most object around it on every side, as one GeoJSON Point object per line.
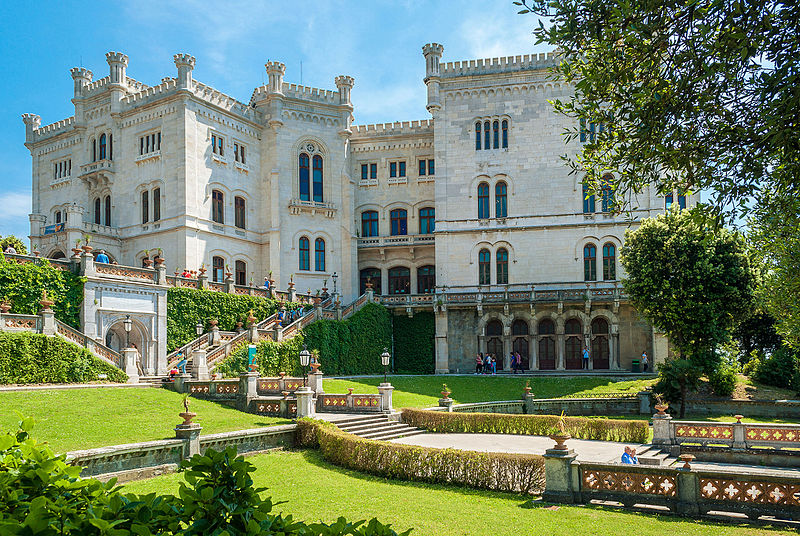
{"type": "Point", "coordinates": [424, 391]}
{"type": "Point", "coordinates": [74, 419]}
{"type": "Point", "coordinates": [315, 490]}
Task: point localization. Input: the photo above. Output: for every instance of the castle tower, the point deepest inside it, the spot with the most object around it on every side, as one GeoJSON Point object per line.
{"type": "Point", "coordinates": [32, 122]}
{"type": "Point", "coordinates": [185, 64]}
{"type": "Point", "coordinates": [275, 71]}
{"type": "Point", "coordinates": [117, 68]}
{"type": "Point", "coordinates": [432, 53]}
{"type": "Point", "coordinates": [344, 84]}
{"type": "Point", "coordinates": [82, 78]}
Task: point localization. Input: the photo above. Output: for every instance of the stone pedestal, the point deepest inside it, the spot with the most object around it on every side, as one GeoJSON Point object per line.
{"type": "Point", "coordinates": [190, 434]}
{"type": "Point", "coordinates": [214, 337]}
{"type": "Point", "coordinates": [385, 390]}
{"type": "Point", "coordinates": [199, 365]}
{"type": "Point", "coordinates": [315, 382]}
{"type": "Point", "coordinates": [662, 430]}
{"type": "Point", "coordinates": [560, 486]}
{"type": "Point", "coordinates": [48, 321]}
{"type": "Point", "coordinates": [248, 390]}
{"type": "Point", "coordinates": [446, 403]}
{"type": "Point", "coordinates": [129, 356]}
{"type": "Point", "coordinates": [305, 402]}
{"type": "Point", "coordinates": [688, 493]}
{"type": "Point", "coordinates": [180, 382]}
{"type": "Point", "coordinates": [529, 398]}
{"type": "Point", "coordinates": [644, 402]}
{"type": "Point", "coordinates": [739, 438]}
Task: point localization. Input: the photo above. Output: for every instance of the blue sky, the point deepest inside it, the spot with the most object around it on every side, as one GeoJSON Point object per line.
{"type": "Point", "coordinates": [377, 42]}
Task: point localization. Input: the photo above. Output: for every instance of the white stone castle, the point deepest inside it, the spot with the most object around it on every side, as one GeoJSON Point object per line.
{"type": "Point", "coordinates": [471, 213]}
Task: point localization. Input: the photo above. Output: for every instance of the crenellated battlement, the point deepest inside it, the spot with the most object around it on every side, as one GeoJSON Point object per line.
{"type": "Point", "coordinates": [398, 128]}
{"type": "Point", "coordinates": [151, 93]}
{"type": "Point", "coordinates": [53, 128]}
{"type": "Point", "coordinates": [499, 65]}
{"type": "Point", "coordinates": [218, 98]}
{"type": "Point", "coordinates": [311, 93]}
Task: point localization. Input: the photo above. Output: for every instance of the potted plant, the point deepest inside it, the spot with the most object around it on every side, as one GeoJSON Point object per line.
{"type": "Point", "coordinates": [35, 250]}
{"type": "Point", "coordinates": [315, 364]}
{"type": "Point", "coordinates": [228, 272]}
{"type": "Point", "coordinates": [661, 406]}
{"type": "Point", "coordinates": [251, 318]}
{"type": "Point", "coordinates": [202, 269]}
{"type": "Point", "coordinates": [186, 415]}
{"type": "Point", "coordinates": [369, 282]}
{"type": "Point", "coordinates": [445, 392]}
{"type": "Point", "coordinates": [559, 434]}
{"type": "Point", "coordinates": [271, 281]}
{"type": "Point", "coordinates": [291, 281]}
{"type": "Point", "coordinates": [317, 299]}
{"type": "Point", "coordinates": [77, 249]}
{"type": "Point", "coordinates": [146, 260]}
{"type": "Point", "coordinates": [86, 247]}
{"type": "Point", "coordinates": [159, 259]}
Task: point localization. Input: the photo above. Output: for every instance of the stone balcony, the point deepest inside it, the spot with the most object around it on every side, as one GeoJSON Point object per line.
{"type": "Point", "coordinates": [98, 174]}
{"type": "Point", "coordinates": [299, 206]}
{"type": "Point", "coordinates": [396, 241]}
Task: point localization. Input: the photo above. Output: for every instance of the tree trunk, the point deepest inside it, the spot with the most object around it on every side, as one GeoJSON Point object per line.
{"type": "Point", "coordinates": [683, 400]}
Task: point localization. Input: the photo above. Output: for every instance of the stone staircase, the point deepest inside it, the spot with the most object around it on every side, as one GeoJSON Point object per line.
{"type": "Point", "coordinates": [653, 456]}
{"type": "Point", "coordinates": [378, 427]}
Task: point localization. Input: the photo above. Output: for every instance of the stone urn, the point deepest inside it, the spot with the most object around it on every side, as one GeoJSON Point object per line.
{"type": "Point", "coordinates": [147, 262]}
{"type": "Point", "coordinates": [202, 271]}
{"type": "Point", "coordinates": [5, 306]}
{"type": "Point", "coordinates": [560, 438]}
{"type": "Point", "coordinates": [317, 300]}
{"type": "Point", "coordinates": [46, 302]}
{"type": "Point", "coordinates": [737, 417]}
{"type": "Point", "coordinates": [661, 408]}
{"type": "Point", "coordinates": [159, 261]}
{"type": "Point", "coordinates": [446, 395]}
{"type": "Point", "coordinates": [368, 284]}
{"type": "Point", "coordinates": [228, 275]}
{"type": "Point", "coordinates": [285, 394]}
{"type": "Point", "coordinates": [213, 322]}
{"type": "Point", "coordinates": [239, 326]}
{"type": "Point", "coordinates": [349, 390]}
{"type": "Point", "coordinates": [187, 417]}
{"type": "Point", "coordinates": [36, 252]}
{"type": "Point", "coordinates": [281, 374]}
{"type": "Point", "coordinates": [687, 460]}
{"type": "Point", "coordinates": [291, 284]}
{"type": "Point", "coordinates": [251, 319]}
{"type": "Point", "coordinates": [314, 367]}
{"type": "Point", "coordinates": [76, 252]}
{"type": "Point", "coordinates": [176, 272]}
{"type": "Point", "coordinates": [87, 248]}
{"type": "Point", "coordinates": [271, 283]}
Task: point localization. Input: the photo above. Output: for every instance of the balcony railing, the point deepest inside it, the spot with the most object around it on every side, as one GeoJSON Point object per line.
{"type": "Point", "coordinates": [106, 166]}
{"type": "Point", "coordinates": [393, 241]}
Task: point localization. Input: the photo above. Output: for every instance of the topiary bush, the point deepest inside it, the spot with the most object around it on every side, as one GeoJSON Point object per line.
{"type": "Point", "coordinates": [22, 285]}
{"type": "Point", "coordinates": [33, 358]}
{"type": "Point", "coordinates": [414, 339]}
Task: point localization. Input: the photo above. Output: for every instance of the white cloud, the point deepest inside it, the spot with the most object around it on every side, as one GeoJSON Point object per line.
{"type": "Point", "coordinates": [15, 205]}
{"type": "Point", "coordinates": [497, 34]}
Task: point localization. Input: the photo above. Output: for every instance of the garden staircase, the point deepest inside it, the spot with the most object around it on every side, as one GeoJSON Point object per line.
{"type": "Point", "coordinates": [378, 427]}
{"type": "Point", "coordinates": [651, 455]}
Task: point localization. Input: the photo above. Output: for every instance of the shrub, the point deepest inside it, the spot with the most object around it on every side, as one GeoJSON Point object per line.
{"type": "Point", "coordinates": [414, 338]}
{"type": "Point", "coordinates": [272, 357]}
{"type": "Point", "coordinates": [627, 431]}
{"type": "Point", "coordinates": [34, 358]}
{"type": "Point", "coordinates": [779, 370]}
{"type": "Point", "coordinates": [22, 285]}
{"type": "Point", "coordinates": [521, 473]}
{"type": "Point", "coordinates": [723, 380]}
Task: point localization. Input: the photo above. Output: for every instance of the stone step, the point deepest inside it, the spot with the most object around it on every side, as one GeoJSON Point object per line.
{"type": "Point", "coordinates": [359, 420]}
{"type": "Point", "coordinates": [386, 430]}
{"type": "Point", "coordinates": [398, 435]}
{"type": "Point", "coordinates": [366, 427]}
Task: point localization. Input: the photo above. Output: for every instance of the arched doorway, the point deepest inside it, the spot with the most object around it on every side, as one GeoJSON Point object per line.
{"type": "Point", "coordinates": [547, 345]}
{"type": "Point", "coordinates": [116, 339]}
{"type": "Point", "coordinates": [573, 344]}
{"type": "Point", "coordinates": [521, 341]}
{"type": "Point", "coordinates": [57, 254]}
{"type": "Point", "coordinates": [494, 341]}
{"type": "Point", "coordinates": [600, 353]}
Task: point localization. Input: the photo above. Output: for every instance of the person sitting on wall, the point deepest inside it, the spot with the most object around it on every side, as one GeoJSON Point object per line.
{"type": "Point", "coordinates": [182, 363]}
{"type": "Point", "coordinates": [102, 257]}
{"type": "Point", "coordinates": [479, 363]}
{"type": "Point", "coordinates": [266, 283]}
{"type": "Point", "coordinates": [186, 273]}
{"type": "Point", "coordinates": [629, 456]}
{"type": "Point", "coordinates": [171, 376]}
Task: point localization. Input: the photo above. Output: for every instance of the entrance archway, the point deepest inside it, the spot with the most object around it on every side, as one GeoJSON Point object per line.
{"type": "Point", "coordinates": [494, 341]}
{"type": "Point", "coordinates": [521, 341]}
{"type": "Point", "coordinates": [600, 353]}
{"type": "Point", "coordinates": [572, 344]}
{"type": "Point", "coordinates": [116, 338]}
{"type": "Point", "coordinates": [547, 345]}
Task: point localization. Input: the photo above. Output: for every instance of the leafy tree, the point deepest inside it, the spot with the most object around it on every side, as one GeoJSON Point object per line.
{"type": "Point", "coordinates": [14, 242]}
{"type": "Point", "coordinates": [692, 280]}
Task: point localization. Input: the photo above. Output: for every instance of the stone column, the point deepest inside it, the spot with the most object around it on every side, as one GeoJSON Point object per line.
{"type": "Point", "coordinates": [662, 431]}
{"type": "Point", "coordinates": [199, 365]}
{"type": "Point", "coordinates": [533, 353]}
{"type": "Point", "coordinates": [315, 382]}
{"type": "Point", "coordinates": [190, 434]}
{"type": "Point", "coordinates": [305, 402]}
{"type": "Point", "coordinates": [202, 281]}
{"type": "Point", "coordinates": [214, 338]}
{"type": "Point", "coordinates": [48, 321]}
{"type": "Point", "coordinates": [739, 438]}
{"type": "Point", "coordinates": [129, 357]}
{"type": "Point", "coordinates": [587, 343]}
{"type": "Point", "coordinates": [385, 390]}
{"type": "Point", "coordinates": [292, 293]}
{"type": "Point", "coordinates": [442, 352]}
{"type": "Point", "coordinates": [180, 383]}
{"type": "Point", "coordinates": [688, 492]}
{"type": "Point", "coordinates": [507, 347]}
{"type": "Point", "coordinates": [87, 265]}
{"type": "Point", "coordinates": [161, 273]}
{"type": "Point", "coordinates": [560, 364]}
{"type": "Point", "coordinates": [248, 390]}
{"type": "Point", "coordinates": [446, 403]}
{"type": "Point", "coordinates": [529, 398]}
{"type": "Point", "coordinates": [229, 288]}
{"type": "Point", "coordinates": [559, 480]}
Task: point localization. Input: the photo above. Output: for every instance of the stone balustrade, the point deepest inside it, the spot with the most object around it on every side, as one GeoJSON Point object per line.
{"type": "Point", "coordinates": [737, 435]}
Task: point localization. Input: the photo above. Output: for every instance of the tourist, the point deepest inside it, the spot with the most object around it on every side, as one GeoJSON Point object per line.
{"type": "Point", "coordinates": [518, 362]}
{"type": "Point", "coordinates": [266, 283]}
{"type": "Point", "coordinates": [479, 363]}
{"type": "Point", "coordinates": [585, 358]}
{"type": "Point", "coordinates": [494, 364]}
{"type": "Point", "coordinates": [186, 273]}
{"type": "Point", "coordinates": [629, 456]}
{"type": "Point", "coordinates": [10, 250]}
{"type": "Point", "coordinates": [102, 257]}
{"type": "Point", "coordinates": [181, 363]}
{"type": "Point", "coordinates": [644, 361]}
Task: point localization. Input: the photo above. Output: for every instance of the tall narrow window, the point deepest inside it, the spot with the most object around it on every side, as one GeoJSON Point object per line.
{"type": "Point", "coordinates": [318, 179]}
{"type": "Point", "coordinates": [478, 136]}
{"type": "Point", "coordinates": [483, 201]}
{"type": "Point", "coordinates": [107, 207]}
{"type": "Point", "coordinates": [484, 267]}
{"type": "Point", "coordinates": [589, 262]}
{"type": "Point", "coordinates": [502, 266]}
{"type": "Point", "coordinates": [111, 147]}
{"type": "Point", "coordinates": [588, 200]}
{"type": "Point", "coordinates": [238, 153]}
{"type": "Point", "coordinates": [305, 259]}
{"type": "Point", "coordinates": [487, 135]}
{"type": "Point", "coordinates": [158, 144]}
{"type": "Point", "coordinates": [369, 223]}
{"type": "Point", "coordinates": [505, 133]}
{"type": "Point", "coordinates": [496, 134]}
{"type": "Point", "coordinates": [145, 206]}
{"type": "Point", "coordinates": [94, 150]}
{"type": "Point", "coordinates": [401, 169]}
{"type": "Point", "coordinates": [319, 255]}
{"type": "Point", "coordinates": [431, 167]}
{"type": "Point", "coordinates": [58, 216]}
{"type": "Point", "coordinates": [156, 204]}
{"type": "Point", "coordinates": [102, 146]}
{"type": "Point", "coordinates": [240, 269]}
{"type": "Point", "coordinates": [392, 170]}
{"type": "Point", "coordinates": [609, 262]}
{"type": "Point", "coordinates": [681, 199]}
{"type": "Point", "coordinates": [97, 211]}
{"type": "Point", "coordinates": [373, 171]}
{"type": "Point", "coordinates": [426, 279]}
{"type": "Point", "coordinates": [218, 269]}
{"type": "Point", "coordinates": [305, 186]}
{"type": "Point", "coordinates": [427, 220]}
{"type": "Point", "coordinates": [608, 194]}
{"type": "Point", "coordinates": [500, 203]}
{"type": "Point", "coordinates": [217, 206]}
{"type": "Point", "coordinates": [239, 212]}
{"type": "Point", "coordinates": [399, 218]}
{"type": "Point", "coordinates": [668, 201]}
{"type": "Point", "coordinates": [364, 172]}
{"type": "Point", "coordinates": [422, 168]}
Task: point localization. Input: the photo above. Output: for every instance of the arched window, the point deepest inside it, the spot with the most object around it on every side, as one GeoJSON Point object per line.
{"type": "Point", "coordinates": [547, 345]}
{"type": "Point", "coordinates": [145, 206]}
{"type": "Point", "coordinates": [399, 218]}
{"type": "Point", "coordinates": [156, 204]}
{"type": "Point", "coordinates": [102, 146]}
{"type": "Point", "coordinates": [240, 269]}
{"type": "Point", "coordinates": [483, 201]}
{"type": "Point", "coordinates": [505, 134]}
{"type": "Point", "coordinates": [318, 178]}
{"type": "Point", "coordinates": [608, 194]}
{"type": "Point", "coordinates": [111, 147]}
{"type": "Point", "coordinates": [500, 203]}
{"type": "Point", "coordinates": [107, 203]}
{"type": "Point", "coordinates": [487, 135]}
{"type": "Point", "coordinates": [373, 275]}
{"type": "Point", "coordinates": [399, 280]}
{"type": "Point", "coordinates": [218, 269]}
{"type": "Point", "coordinates": [478, 136]}
{"type": "Point", "coordinates": [94, 150]}
{"type": "Point", "coordinates": [58, 216]}
{"type": "Point", "coordinates": [668, 201]}
{"type": "Point", "coordinates": [589, 262]}
{"type": "Point", "coordinates": [427, 220]}
{"type": "Point", "coordinates": [588, 200]}
{"type": "Point", "coordinates": [239, 212]}
{"type": "Point", "coordinates": [496, 135]}
{"type": "Point", "coordinates": [305, 187]}
{"type": "Point", "coordinates": [484, 267]}
{"type": "Point", "coordinates": [609, 262]}
{"type": "Point", "coordinates": [319, 255]}
{"type": "Point", "coordinates": [217, 206]}
{"type": "Point", "coordinates": [305, 255]}
{"type": "Point", "coordinates": [369, 223]}
{"type": "Point", "coordinates": [97, 211]}
{"type": "Point", "coordinates": [520, 341]}
{"type": "Point", "coordinates": [426, 279]}
{"type": "Point", "coordinates": [502, 266]}
{"type": "Point", "coordinates": [573, 344]}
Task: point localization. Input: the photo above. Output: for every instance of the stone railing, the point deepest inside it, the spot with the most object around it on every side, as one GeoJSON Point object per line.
{"type": "Point", "coordinates": [737, 435]}
{"type": "Point", "coordinates": [223, 350]}
{"type": "Point", "coordinates": [17, 322]}
{"type": "Point", "coordinates": [349, 403]}
{"type": "Point", "coordinates": [251, 441]}
{"type": "Point", "coordinates": [59, 264]}
{"type": "Point", "coordinates": [146, 275]}
{"type": "Point", "coordinates": [98, 349]}
{"type": "Point", "coordinates": [277, 385]}
{"type": "Point", "coordinates": [217, 389]}
{"type": "Point", "coordinates": [401, 240]}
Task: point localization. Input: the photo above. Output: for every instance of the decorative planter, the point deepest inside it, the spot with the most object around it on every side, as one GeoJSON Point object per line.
{"type": "Point", "coordinates": [661, 408]}
{"type": "Point", "coordinates": [76, 251]}
{"type": "Point", "coordinates": [228, 275]}
{"type": "Point", "coordinates": [239, 326]}
{"type": "Point", "coordinates": [317, 300]}
{"type": "Point", "coordinates": [291, 285]}
{"type": "Point", "coordinates": [159, 261]}
{"type": "Point", "coordinates": [281, 374]}
{"type": "Point", "coordinates": [36, 252]}
{"type": "Point", "coordinates": [446, 395]}
{"type": "Point", "coordinates": [87, 248]}
{"type": "Point", "coordinates": [147, 263]}
{"type": "Point", "coordinates": [251, 319]}
{"type": "Point", "coordinates": [349, 390]}
{"type": "Point", "coordinates": [738, 418]}
{"type": "Point", "coordinates": [285, 394]}
{"type": "Point", "coordinates": [213, 321]}
{"type": "Point", "coordinates": [213, 376]}
{"type": "Point", "coordinates": [271, 283]}
{"type": "Point", "coordinates": [687, 460]}
{"type": "Point", "coordinates": [187, 417]}
{"type": "Point", "coordinates": [202, 271]}
{"type": "Point", "coordinates": [369, 284]}
{"type": "Point", "coordinates": [5, 306]}
{"type": "Point", "coordinates": [45, 302]}
{"type": "Point", "coordinates": [315, 367]}
{"type": "Point", "coordinates": [560, 439]}
{"type": "Point", "coordinates": [176, 273]}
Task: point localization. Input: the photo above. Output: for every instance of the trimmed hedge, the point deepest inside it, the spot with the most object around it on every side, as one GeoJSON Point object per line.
{"type": "Point", "coordinates": [520, 473]}
{"type": "Point", "coordinates": [625, 431]}
{"type": "Point", "coordinates": [35, 358]}
{"type": "Point", "coordinates": [272, 357]}
{"type": "Point", "coordinates": [22, 285]}
{"type": "Point", "coordinates": [414, 339]}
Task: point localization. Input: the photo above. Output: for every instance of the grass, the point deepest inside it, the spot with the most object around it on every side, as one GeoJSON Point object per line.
{"type": "Point", "coordinates": [74, 419]}
{"type": "Point", "coordinates": [424, 391]}
{"type": "Point", "coordinates": [314, 491]}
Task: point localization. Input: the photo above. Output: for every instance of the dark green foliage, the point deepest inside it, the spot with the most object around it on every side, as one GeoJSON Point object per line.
{"type": "Point", "coordinates": [519, 473]}
{"type": "Point", "coordinates": [33, 358]}
{"type": "Point", "coordinates": [414, 339]}
{"type": "Point", "coordinates": [723, 380]}
{"type": "Point", "coordinates": [272, 357]}
{"type": "Point", "coordinates": [676, 378]}
{"type": "Point", "coordinates": [14, 242]}
{"type": "Point", "coordinates": [781, 369]}
{"type": "Point", "coordinates": [22, 285]}
{"type": "Point", "coordinates": [601, 429]}
{"type": "Point", "coordinates": [757, 333]}
{"type": "Point", "coordinates": [41, 494]}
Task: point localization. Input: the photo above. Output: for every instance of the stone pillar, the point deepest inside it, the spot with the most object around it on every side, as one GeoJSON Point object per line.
{"type": "Point", "coordinates": [180, 383]}
{"type": "Point", "coordinates": [253, 334]}
{"type": "Point", "coordinates": [229, 288]}
{"type": "Point", "coordinates": [688, 492]}
{"type": "Point", "coordinates": [739, 438]}
{"type": "Point", "coordinates": [560, 364]}
{"type": "Point", "coordinates": [507, 347]}
{"type": "Point", "coordinates": [560, 483]}
{"type": "Point", "coordinates": [385, 390]}
{"type": "Point", "coordinates": [129, 357]}
{"type": "Point", "coordinates": [442, 351]}
{"type": "Point", "coordinates": [48, 321]}
{"type": "Point", "coordinates": [87, 264]}
{"type": "Point", "coordinates": [185, 64]}
{"type": "Point", "coordinates": [660, 351]}
{"type": "Point", "coordinates": [305, 402]}
{"type": "Point", "coordinates": [214, 338]}
{"type": "Point", "coordinates": [315, 382]}
{"type": "Point", "coordinates": [190, 434]}
{"type": "Point", "coordinates": [644, 402]}
{"type": "Point", "coordinates": [529, 397]}
{"type": "Point", "coordinates": [199, 365]}
{"type": "Point", "coordinates": [446, 403]}
{"type": "Point", "coordinates": [202, 281]}
{"type": "Point", "coordinates": [161, 273]}
{"type": "Point", "coordinates": [248, 390]}
{"type": "Point", "coordinates": [662, 430]}
{"type": "Point", "coordinates": [533, 353]}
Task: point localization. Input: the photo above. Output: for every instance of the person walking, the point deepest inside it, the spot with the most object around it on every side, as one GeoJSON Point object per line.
{"type": "Point", "coordinates": [494, 365]}
{"type": "Point", "coordinates": [644, 361]}
{"type": "Point", "coordinates": [479, 363]}
{"type": "Point", "coordinates": [519, 362]}
{"type": "Point", "coordinates": [181, 363]}
{"type": "Point", "coordinates": [585, 358]}
{"type": "Point", "coordinates": [102, 257]}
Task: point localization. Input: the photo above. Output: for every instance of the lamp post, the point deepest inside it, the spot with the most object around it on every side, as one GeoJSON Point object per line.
{"type": "Point", "coordinates": [199, 329]}
{"type": "Point", "coordinates": [127, 324]}
{"type": "Point", "coordinates": [305, 357]}
{"type": "Point", "coordinates": [334, 277]}
{"type": "Point", "coordinates": [385, 356]}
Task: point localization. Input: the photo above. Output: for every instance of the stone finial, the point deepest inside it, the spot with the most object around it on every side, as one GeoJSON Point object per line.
{"type": "Point", "coordinates": [45, 302]}
{"type": "Point", "coordinates": [82, 77]}
{"type": "Point", "coordinates": [275, 72]}
{"type": "Point", "coordinates": [32, 122]}
{"type": "Point", "coordinates": [117, 66]}
{"type": "Point", "coordinates": [433, 53]}
{"type": "Point", "coordinates": [185, 64]}
{"type": "Point", "coordinates": [344, 84]}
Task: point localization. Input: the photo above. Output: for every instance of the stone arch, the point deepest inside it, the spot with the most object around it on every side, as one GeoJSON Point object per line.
{"type": "Point", "coordinates": [56, 254]}
{"type": "Point", "coordinates": [115, 337]}
{"type": "Point", "coordinates": [493, 315]}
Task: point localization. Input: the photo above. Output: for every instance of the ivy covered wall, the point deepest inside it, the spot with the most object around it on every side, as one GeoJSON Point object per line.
{"type": "Point", "coordinates": [414, 340]}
